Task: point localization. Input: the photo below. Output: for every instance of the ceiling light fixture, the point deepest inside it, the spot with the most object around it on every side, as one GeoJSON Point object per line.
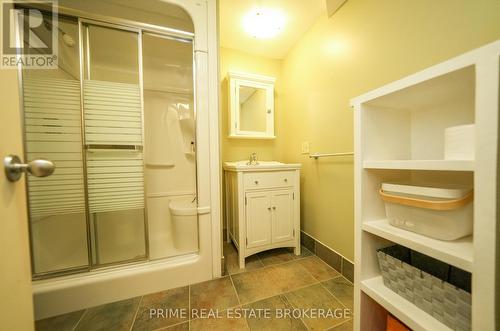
{"type": "Point", "coordinates": [263, 23]}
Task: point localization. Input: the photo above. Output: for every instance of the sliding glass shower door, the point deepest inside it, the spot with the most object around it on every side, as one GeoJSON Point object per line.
{"type": "Point", "coordinates": [113, 126]}
{"type": "Point", "coordinates": [53, 130]}
{"type": "Point", "coordinates": [89, 116]}
{"type": "Point", "coordinates": [86, 116]}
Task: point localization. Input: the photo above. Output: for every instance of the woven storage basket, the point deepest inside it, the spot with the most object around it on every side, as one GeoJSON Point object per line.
{"type": "Point", "coordinates": [446, 302]}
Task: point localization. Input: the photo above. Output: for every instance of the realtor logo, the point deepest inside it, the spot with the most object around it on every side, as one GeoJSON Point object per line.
{"type": "Point", "coordinates": [29, 34]}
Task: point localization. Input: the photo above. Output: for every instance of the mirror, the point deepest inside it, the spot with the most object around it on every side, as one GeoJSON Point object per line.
{"type": "Point", "coordinates": [252, 106]}
{"type": "Point", "coordinates": [252, 109]}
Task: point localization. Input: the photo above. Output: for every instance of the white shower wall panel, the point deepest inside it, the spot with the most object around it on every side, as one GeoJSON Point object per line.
{"type": "Point", "coordinates": [161, 238]}
{"type": "Point", "coordinates": [170, 164]}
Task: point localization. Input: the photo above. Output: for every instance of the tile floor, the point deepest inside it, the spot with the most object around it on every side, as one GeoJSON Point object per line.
{"type": "Point", "coordinates": [272, 283]}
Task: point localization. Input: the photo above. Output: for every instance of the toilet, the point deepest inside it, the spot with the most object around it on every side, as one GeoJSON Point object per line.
{"type": "Point", "coordinates": [184, 217]}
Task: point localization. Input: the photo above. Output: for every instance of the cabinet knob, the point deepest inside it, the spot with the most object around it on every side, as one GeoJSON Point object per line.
{"type": "Point", "coordinates": [274, 207]}
{"type": "Point", "coordinates": [268, 208]}
{"type": "Point", "coordinates": [286, 180]}
{"type": "Point", "coordinates": [256, 182]}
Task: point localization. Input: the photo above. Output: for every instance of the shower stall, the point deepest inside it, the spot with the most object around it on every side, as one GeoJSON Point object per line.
{"type": "Point", "coordinates": [124, 117]}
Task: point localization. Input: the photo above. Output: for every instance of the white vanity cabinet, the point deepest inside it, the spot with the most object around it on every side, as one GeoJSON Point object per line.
{"type": "Point", "coordinates": [262, 206]}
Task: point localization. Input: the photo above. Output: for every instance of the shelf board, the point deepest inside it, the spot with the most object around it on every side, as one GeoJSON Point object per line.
{"type": "Point", "coordinates": [458, 253]}
{"type": "Point", "coordinates": [404, 310]}
{"type": "Point", "coordinates": [444, 165]}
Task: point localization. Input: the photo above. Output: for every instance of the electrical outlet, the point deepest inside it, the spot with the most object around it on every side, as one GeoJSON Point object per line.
{"type": "Point", "coordinates": [305, 147]}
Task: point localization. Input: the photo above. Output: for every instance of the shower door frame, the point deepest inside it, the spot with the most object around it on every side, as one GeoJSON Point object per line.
{"type": "Point", "coordinates": [83, 25]}
{"type": "Point", "coordinates": [83, 19]}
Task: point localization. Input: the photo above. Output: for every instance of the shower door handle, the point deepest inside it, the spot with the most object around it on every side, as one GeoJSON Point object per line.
{"type": "Point", "coordinates": [38, 168]}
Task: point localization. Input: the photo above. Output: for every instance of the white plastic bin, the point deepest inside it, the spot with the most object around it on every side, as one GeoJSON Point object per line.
{"type": "Point", "coordinates": [437, 212]}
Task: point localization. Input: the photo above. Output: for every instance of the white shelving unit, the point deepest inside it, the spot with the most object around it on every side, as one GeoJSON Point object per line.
{"type": "Point", "coordinates": [399, 136]}
{"type": "Point", "coordinates": [458, 253]}
{"type": "Point", "coordinates": [446, 165]}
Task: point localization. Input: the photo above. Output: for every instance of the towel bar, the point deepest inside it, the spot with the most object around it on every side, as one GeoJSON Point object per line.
{"type": "Point", "coordinates": [318, 155]}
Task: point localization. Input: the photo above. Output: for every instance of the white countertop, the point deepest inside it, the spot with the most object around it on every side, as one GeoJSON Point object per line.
{"type": "Point", "coordinates": [261, 166]}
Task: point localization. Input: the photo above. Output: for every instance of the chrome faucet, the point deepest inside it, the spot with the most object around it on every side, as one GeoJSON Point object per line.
{"type": "Point", "coordinates": [252, 160]}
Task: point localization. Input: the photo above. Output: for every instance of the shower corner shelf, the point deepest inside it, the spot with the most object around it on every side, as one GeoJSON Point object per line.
{"type": "Point", "coordinates": [399, 132]}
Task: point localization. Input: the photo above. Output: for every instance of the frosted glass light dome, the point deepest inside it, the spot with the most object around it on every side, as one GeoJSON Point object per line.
{"type": "Point", "coordinates": [264, 23]}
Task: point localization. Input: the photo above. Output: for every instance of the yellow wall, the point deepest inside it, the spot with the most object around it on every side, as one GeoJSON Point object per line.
{"type": "Point", "coordinates": [364, 45]}
{"type": "Point", "coordinates": [234, 60]}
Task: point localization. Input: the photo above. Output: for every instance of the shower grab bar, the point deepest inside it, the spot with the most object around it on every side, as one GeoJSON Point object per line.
{"type": "Point", "coordinates": [117, 147]}
{"type": "Point", "coordinates": [318, 155]}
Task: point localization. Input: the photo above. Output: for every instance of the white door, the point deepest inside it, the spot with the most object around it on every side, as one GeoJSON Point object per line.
{"type": "Point", "coordinates": [258, 219]}
{"type": "Point", "coordinates": [282, 211]}
{"type": "Point", "coordinates": [16, 304]}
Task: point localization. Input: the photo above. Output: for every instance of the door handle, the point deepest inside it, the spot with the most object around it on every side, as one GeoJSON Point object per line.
{"type": "Point", "coordinates": [38, 168]}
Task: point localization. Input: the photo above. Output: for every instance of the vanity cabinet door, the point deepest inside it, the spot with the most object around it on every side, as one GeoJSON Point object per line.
{"type": "Point", "coordinates": [282, 203]}
{"type": "Point", "coordinates": [258, 219]}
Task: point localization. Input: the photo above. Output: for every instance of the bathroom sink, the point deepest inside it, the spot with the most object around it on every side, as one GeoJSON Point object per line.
{"type": "Point", "coordinates": [261, 165]}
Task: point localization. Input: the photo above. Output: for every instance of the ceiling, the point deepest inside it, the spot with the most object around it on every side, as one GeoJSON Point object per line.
{"type": "Point", "coordinates": [299, 16]}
